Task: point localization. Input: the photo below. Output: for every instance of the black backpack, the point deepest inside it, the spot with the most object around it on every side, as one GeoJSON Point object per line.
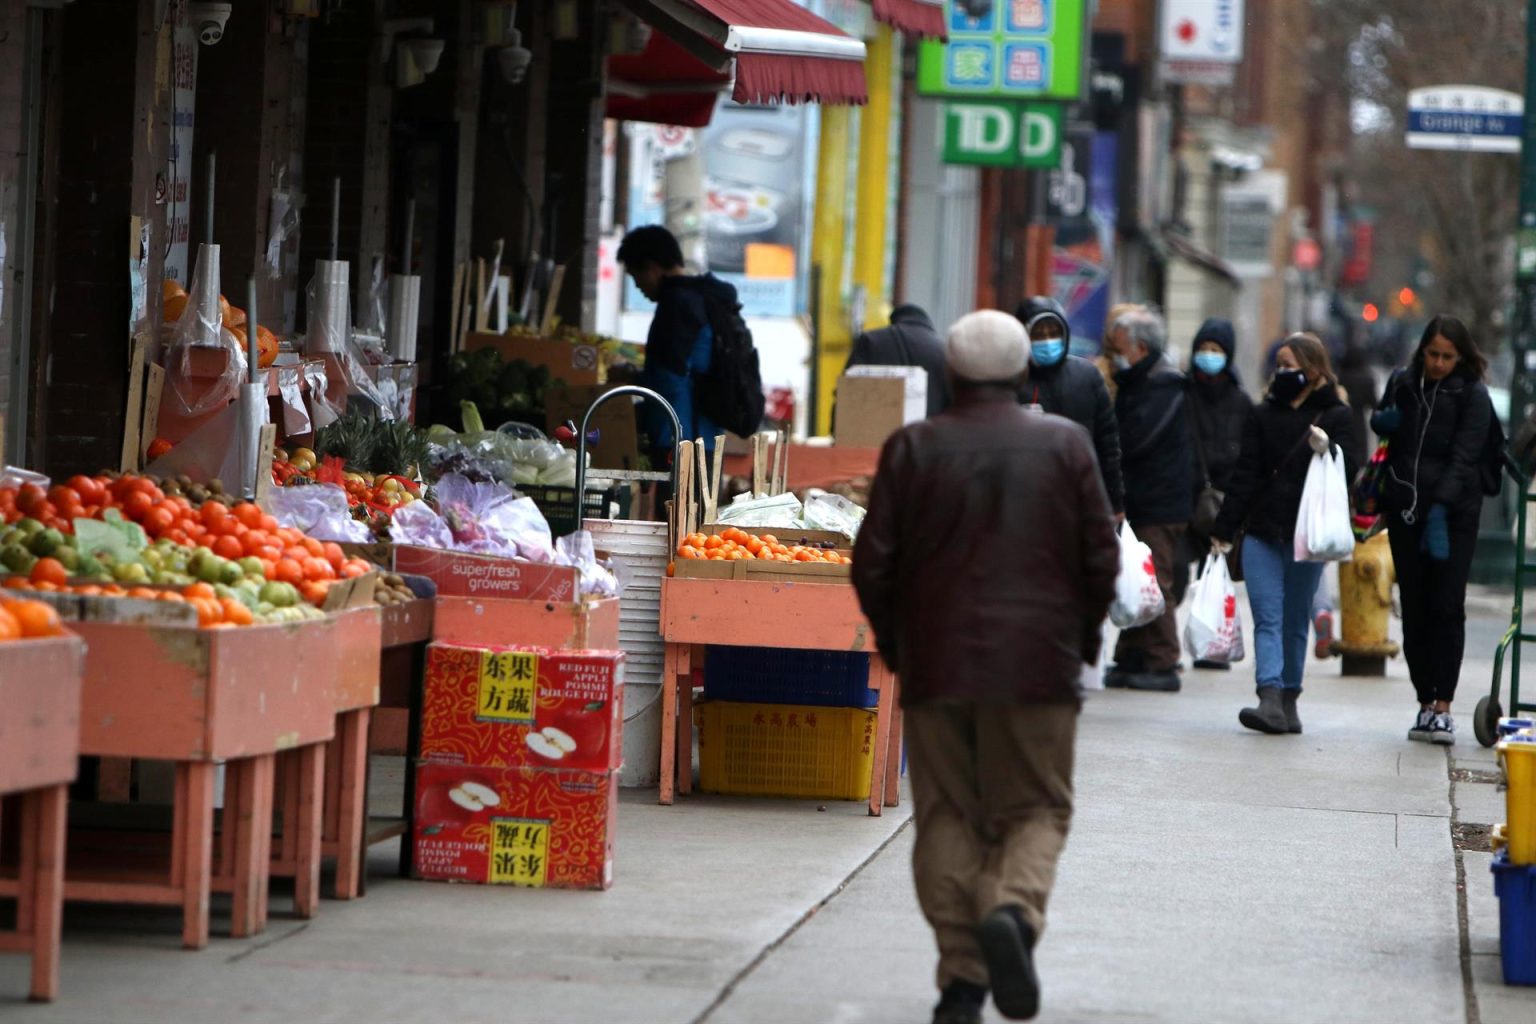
{"type": "Point", "coordinates": [1490, 468]}
{"type": "Point", "coordinates": [731, 392]}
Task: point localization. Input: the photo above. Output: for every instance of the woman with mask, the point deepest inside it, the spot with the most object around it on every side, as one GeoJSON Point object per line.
{"type": "Point", "coordinates": [1438, 416]}
{"type": "Point", "coordinates": [1301, 415]}
{"type": "Point", "coordinates": [1064, 384]}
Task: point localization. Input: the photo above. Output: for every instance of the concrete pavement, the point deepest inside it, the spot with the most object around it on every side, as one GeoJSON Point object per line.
{"type": "Point", "coordinates": [1213, 875]}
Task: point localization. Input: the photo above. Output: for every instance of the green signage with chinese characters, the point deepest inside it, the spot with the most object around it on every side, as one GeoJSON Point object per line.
{"type": "Point", "coordinates": [1016, 49]}
{"type": "Point", "coordinates": [1000, 134]}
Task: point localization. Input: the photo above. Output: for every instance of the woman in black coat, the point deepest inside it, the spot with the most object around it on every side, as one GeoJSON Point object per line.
{"type": "Point", "coordinates": [1438, 416]}
{"type": "Point", "coordinates": [1301, 414]}
{"type": "Point", "coordinates": [1218, 411]}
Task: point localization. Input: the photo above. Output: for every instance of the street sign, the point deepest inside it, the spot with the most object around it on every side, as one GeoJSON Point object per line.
{"type": "Point", "coordinates": [1201, 41]}
{"type": "Point", "coordinates": [1017, 49]}
{"type": "Point", "coordinates": [1468, 118]}
{"type": "Point", "coordinates": [996, 134]}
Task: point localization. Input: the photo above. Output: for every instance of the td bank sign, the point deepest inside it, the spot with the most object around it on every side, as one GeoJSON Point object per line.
{"type": "Point", "coordinates": [1003, 134]}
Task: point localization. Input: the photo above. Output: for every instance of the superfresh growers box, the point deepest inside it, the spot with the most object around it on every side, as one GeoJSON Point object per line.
{"type": "Point", "coordinates": [534, 827]}
{"type": "Point", "coordinates": [507, 707]}
{"type": "Point", "coordinates": [458, 574]}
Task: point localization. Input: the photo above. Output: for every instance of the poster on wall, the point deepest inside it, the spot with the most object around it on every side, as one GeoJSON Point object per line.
{"type": "Point", "coordinates": [1084, 209]}
{"type": "Point", "coordinates": [178, 173]}
{"type": "Point", "coordinates": [754, 200]}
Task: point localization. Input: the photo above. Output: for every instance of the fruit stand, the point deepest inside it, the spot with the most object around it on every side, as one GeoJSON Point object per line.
{"type": "Point", "coordinates": [39, 739]}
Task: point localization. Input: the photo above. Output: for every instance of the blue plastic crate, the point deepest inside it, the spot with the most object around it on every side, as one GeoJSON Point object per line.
{"type": "Point", "coordinates": [1515, 885]}
{"type": "Point", "coordinates": [771, 675]}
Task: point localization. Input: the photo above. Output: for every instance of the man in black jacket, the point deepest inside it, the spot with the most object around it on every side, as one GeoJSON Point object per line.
{"type": "Point", "coordinates": [1069, 386]}
{"type": "Point", "coordinates": [1158, 462]}
{"type": "Point", "coordinates": [910, 340]}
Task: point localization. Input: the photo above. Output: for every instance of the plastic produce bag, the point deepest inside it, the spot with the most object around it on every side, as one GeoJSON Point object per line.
{"type": "Point", "coordinates": [319, 510]}
{"type": "Point", "coordinates": [419, 525]}
{"type": "Point", "coordinates": [832, 512]}
{"type": "Point", "coordinates": [489, 519]}
{"type": "Point", "coordinates": [779, 512]}
{"type": "Point", "coordinates": [201, 327]}
{"type": "Point", "coordinates": [1324, 532]}
{"type": "Point", "coordinates": [596, 579]}
{"type": "Point", "coordinates": [1214, 631]}
{"type": "Point", "coordinates": [1138, 597]}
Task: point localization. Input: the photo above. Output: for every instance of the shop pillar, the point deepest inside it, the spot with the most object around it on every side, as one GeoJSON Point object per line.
{"type": "Point", "coordinates": [828, 254]}
{"type": "Point", "coordinates": [870, 228]}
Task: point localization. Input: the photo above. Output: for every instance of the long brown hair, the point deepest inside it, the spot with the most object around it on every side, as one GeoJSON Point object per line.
{"type": "Point", "coordinates": [1312, 355]}
{"type": "Point", "coordinates": [1453, 330]}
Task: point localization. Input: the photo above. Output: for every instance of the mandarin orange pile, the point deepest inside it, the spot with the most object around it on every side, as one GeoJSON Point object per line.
{"type": "Point", "coordinates": [734, 545]}
{"type": "Point", "coordinates": [22, 619]}
{"type": "Point", "coordinates": [213, 611]}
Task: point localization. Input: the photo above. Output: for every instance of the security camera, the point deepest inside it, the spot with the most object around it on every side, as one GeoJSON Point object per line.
{"type": "Point", "coordinates": [514, 59]}
{"type": "Point", "coordinates": [210, 20]}
{"type": "Point", "coordinates": [425, 53]}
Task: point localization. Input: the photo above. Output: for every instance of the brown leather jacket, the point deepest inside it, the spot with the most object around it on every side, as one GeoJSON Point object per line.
{"type": "Point", "coordinates": [988, 558]}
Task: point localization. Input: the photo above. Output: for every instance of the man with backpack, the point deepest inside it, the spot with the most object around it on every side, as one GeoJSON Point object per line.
{"type": "Point", "coordinates": [699, 354]}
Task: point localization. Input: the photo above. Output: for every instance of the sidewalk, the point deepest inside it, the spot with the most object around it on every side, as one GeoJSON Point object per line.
{"type": "Point", "coordinates": [1213, 875]}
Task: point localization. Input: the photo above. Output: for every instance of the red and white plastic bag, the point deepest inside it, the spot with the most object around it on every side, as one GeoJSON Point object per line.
{"type": "Point", "coordinates": [1138, 597]}
{"type": "Point", "coordinates": [1214, 631]}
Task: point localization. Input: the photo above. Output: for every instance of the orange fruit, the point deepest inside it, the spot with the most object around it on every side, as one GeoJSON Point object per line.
{"type": "Point", "coordinates": [10, 629]}
{"type": "Point", "coordinates": [49, 570]}
{"type": "Point", "coordinates": [194, 591]}
{"type": "Point", "coordinates": [236, 613]}
{"type": "Point", "coordinates": [716, 541]}
{"type": "Point", "coordinates": [35, 618]}
{"type": "Point", "coordinates": [288, 571]}
{"type": "Point", "coordinates": [173, 306]}
{"type": "Point", "coordinates": [248, 513]}
{"type": "Point", "coordinates": [170, 288]}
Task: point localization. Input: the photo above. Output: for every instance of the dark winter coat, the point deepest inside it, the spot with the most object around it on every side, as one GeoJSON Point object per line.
{"type": "Point", "coordinates": [1266, 486]}
{"type": "Point", "coordinates": [910, 340]}
{"type": "Point", "coordinates": [1218, 410]}
{"type": "Point", "coordinates": [1157, 455]}
{"type": "Point", "coordinates": [678, 351]}
{"type": "Point", "coordinates": [987, 560]}
{"type": "Point", "coordinates": [1075, 388]}
{"type": "Point", "coordinates": [1437, 446]}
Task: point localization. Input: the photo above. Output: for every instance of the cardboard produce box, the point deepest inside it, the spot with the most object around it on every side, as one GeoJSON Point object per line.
{"type": "Point", "coordinates": [572, 362]}
{"type": "Point", "coordinates": [873, 402]}
{"type": "Point", "coordinates": [511, 707]}
{"type": "Point", "coordinates": [533, 827]}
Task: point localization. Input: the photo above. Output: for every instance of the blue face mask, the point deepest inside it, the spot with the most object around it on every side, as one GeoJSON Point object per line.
{"type": "Point", "coordinates": [1210, 363]}
{"type": "Point", "coordinates": [1047, 353]}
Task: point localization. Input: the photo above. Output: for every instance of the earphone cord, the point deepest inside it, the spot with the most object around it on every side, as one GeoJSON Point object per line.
{"type": "Point", "coordinates": [1411, 516]}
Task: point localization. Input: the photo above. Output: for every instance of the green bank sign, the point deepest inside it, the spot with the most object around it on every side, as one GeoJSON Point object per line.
{"type": "Point", "coordinates": [1003, 134]}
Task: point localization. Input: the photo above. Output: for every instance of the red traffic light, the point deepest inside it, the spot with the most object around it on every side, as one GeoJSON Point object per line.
{"type": "Point", "coordinates": [1370, 314]}
{"type": "Point", "coordinates": [1407, 296]}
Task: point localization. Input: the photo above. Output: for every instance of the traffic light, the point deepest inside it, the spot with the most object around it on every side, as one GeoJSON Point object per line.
{"type": "Point", "coordinates": [1407, 297]}
{"type": "Point", "coordinates": [1370, 314]}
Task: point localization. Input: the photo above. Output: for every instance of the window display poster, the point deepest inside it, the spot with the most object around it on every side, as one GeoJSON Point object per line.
{"type": "Point", "coordinates": [1084, 208]}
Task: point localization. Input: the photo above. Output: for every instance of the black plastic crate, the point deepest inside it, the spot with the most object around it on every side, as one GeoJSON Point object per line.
{"type": "Point", "coordinates": [771, 675]}
{"type": "Point", "coordinates": [559, 505]}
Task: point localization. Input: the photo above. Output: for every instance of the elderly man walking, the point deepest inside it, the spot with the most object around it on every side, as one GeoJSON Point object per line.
{"type": "Point", "coordinates": [986, 565]}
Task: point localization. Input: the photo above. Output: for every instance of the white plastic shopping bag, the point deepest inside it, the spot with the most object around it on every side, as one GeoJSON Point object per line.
{"type": "Point", "coordinates": [1214, 631]}
{"type": "Point", "coordinates": [1323, 531]}
{"type": "Point", "coordinates": [1138, 598]}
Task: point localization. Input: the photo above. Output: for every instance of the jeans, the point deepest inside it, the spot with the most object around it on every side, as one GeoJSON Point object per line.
{"type": "Point", "coordinates": [1434, 597]}
{"type": "Point", "coordinates": [1280, 591]}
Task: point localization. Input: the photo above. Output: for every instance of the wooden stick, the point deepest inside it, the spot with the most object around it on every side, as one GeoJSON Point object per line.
{"type": "Point", "coordinates": [781, 476]}
{"type": "Point", "coordinates": [757, 465]}
{"type": "Point", "coordinates": [685, 486]}
{"type": "Point", "coordinates": [556, 283]}
{"type": "Point", "coordinates": [715, 477]}
{"type": "Point", "coordinates": [458, 290]}
{"type": "Point", "coordinates": [705, 488]}
{"type": "Point", "coordinates": [480, 314]}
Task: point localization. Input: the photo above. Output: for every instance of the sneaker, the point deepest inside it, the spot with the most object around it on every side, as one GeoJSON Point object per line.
{"type": "Point", "coordinates": [960, 1003]}
{"type": "Point", "coordinates": [1423, 725]}
{"type": "Point", "coordinates": [1007, 944]}
{"type": "Point", "coordinates": [1322, 624]}
{"type": "Point", "coordinates": [1442, 730]}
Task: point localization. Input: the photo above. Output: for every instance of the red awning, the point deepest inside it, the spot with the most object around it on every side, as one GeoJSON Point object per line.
{"type": "Point", "coordinates": [923, 18]}
{"type": "Point", "coordinates": [779, 51]}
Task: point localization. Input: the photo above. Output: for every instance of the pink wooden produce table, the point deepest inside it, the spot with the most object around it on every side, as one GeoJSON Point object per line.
{"type": "Point", "coordinates": [198, 697]}
{"type": "Point", "coordinates": [559, 625]}
{"type": "Point", "coordinates": [39, 754]}
{"type": "Point", "coordinates": [746, 613]}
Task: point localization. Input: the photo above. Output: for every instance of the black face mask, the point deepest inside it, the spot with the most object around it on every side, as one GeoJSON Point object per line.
{"type": "Point", "coordinates": [1288, 385]}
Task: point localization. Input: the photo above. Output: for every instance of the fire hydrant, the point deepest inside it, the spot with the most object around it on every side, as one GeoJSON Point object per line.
{"type": "Point", "coordinates": [1365, 606]}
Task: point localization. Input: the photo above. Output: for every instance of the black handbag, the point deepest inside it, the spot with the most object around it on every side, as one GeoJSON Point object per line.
{"type": "Point", "coordinates": [1208, 501]}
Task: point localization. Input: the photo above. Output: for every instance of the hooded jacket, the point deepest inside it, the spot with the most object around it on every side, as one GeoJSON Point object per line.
{"type": "Point", "coordinates": [910, 340]}
{"type": "Point", "coordinates": [677, 353]}
{"type": "Point", "coordinates": [1218, 408]}
{"type": "Point", "coordinates": [1074, 388]}
{"type": "Point", "coordinates": [1271, 472]}
{"type": "Point", "coordinates": [1437, 447]}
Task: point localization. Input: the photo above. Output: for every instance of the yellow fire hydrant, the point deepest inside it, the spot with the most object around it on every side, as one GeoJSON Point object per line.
{"type": "Point", "coordinates": [1365, 606]}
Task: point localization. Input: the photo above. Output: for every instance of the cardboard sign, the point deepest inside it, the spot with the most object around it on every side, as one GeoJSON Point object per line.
{"type": "Point", "coordinates": [523, 707]}
{"type": "Point", "coordinates": [460, 575]}
{"type": "Point", "coordinates": [532, 827]}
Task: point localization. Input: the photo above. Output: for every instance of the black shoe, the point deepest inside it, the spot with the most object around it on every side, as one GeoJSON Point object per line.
{"type": "Point", "coordinates": [1007, 944]}
{"type": "Point", "coordinates": [960, 1003]}
{"type": "Point", "coordinates": [1115, 679]}
{"type": "Point", "coordinates": [1166, 681]}
{"type": "Point", "coordinates": [1213, 666]}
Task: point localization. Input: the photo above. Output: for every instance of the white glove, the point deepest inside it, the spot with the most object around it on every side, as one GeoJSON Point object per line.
{"type": "Point", "coordinates": [1220, 547]}
{"type": "Point", "coordinates": [1318, 440]}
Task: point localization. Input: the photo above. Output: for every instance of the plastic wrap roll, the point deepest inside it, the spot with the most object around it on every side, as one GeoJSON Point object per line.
{"type": "Point", "coordinates": [404, 307]}
{"type": "Point", "coordinates": [330, 318]}
{"type": "Point", "coordinates": [253, 416]}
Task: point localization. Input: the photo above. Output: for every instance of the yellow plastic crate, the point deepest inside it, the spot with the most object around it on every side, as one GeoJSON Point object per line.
{"type": "Point", "coordinates": [791, 750]}
{"type": "Point", "coordinates": [1519, 760]}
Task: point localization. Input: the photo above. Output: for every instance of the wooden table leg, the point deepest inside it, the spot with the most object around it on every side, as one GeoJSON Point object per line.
{"type": "Point", "coordinates": [685, 719]}
{"type": "Point", "coordinates": [193, 841]}
{"type": "Point", "coordinates": [26, 879]}
{"type": "Point", "coordinates": [48, 874]}
{"type": "Point", "coordinates": [669, 722]}
{"type": "Point", "coordinates": [351, 794]}
{"type": "Point", "coordinates": [893, 752]}
{"type": "Point", "coordinates": [310, 763]}
{"type": "Point", "coordinates": [252, 823]}
{"type": "Point", "coordinates": [881, 679]}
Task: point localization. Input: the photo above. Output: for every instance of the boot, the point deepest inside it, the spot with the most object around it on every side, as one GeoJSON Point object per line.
{"type": "Point", "coordinates": [1007, 944]}
{"type": "Point", "coordinates": [1292, 719]}
{"type": "Point", "coordinates": [960, 1003]}
{"type": "Point", "coordinates": [1269, 716]}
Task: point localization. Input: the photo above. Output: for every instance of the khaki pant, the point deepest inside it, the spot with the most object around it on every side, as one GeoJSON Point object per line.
{"type": "Point", "coordinates": [992, 802]}
{"type": "Point", "coordinates": [1155, 646]}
